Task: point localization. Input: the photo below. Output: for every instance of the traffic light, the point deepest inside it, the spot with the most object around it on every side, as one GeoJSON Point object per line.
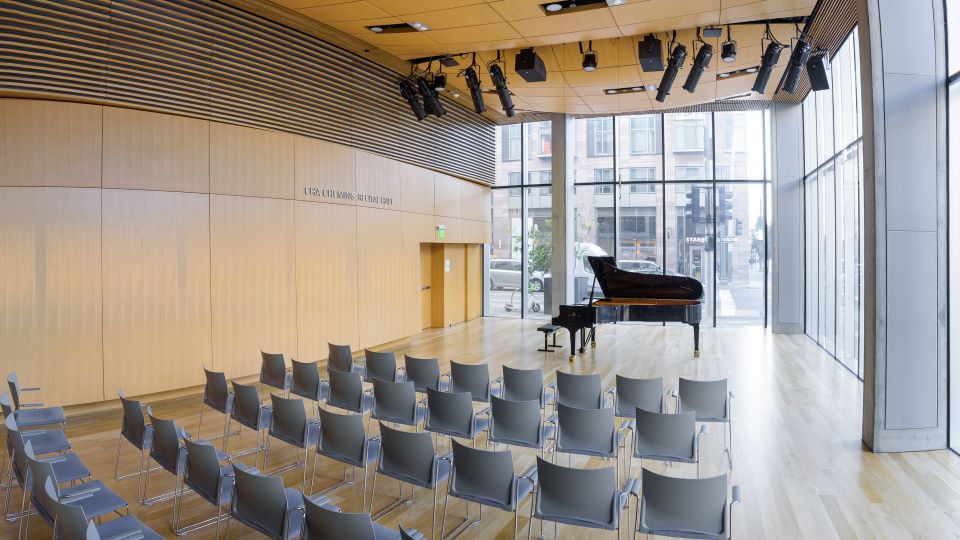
{"type": "Point", "coordinates": [724, 205]}
{"type": "Point", "coordinates": [692, 208]}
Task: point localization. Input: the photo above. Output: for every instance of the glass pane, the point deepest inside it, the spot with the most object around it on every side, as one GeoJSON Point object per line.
{"type": "Point", "coordinates": [954, 252]}
{"type": "Point", "coordinates": [688, 138]}
{"type": "Point", "coordinates": [740, 145]}
{"type": "Point", "coordinates": [824, 133]}
{"type": "Point", "coordinates": [538, 149]}
{"type": "Point", "coordinates": [640, 216]}
{"type": "Point", "coordinates": [539, 204]}
{"type": "Point", "coordinates": [505, 271]}
{"type": "Point", "coordinates": [828, 263]}
{"type": "Point", "coordinates": [740, 254]}
{"type": "Point", "coordinates": [639, 148]}
{"type": "Point", "coordinates": [812, 256]}
{"type": "Point", "coordinates": [848, 210]}
{"type": "Point", "coordinates": [953, 36]}
{"type": "Point", "coordinates": [689, 237]}
{"type": "Point", "coordinates": [810, 134]}
{"type": "Point", "coordinates": [594, 226]}
{"type": "Point", "coordinates": [593, 150]}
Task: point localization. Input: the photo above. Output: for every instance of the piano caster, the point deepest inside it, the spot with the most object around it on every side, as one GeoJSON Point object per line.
{"type": "Point", "coordinates": [696, 354]}
{"type": "Point", "coordinates": [593, 344]}
{"type": "Point", "coordinates": [572, 358]}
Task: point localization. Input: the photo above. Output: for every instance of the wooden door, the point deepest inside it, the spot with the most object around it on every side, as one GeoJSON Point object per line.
{"type": "Point", "coordinates": [426, 283]}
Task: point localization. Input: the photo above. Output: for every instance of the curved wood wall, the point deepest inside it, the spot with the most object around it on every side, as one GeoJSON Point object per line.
{"type": "Point", "coordinates": [137, 247]}
{"type": "Point", "coordinates": [208, 60]}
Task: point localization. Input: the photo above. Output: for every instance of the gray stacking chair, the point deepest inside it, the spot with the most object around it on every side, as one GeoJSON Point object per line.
{"type": "Point", "coordinates": [587, 432]}
{"type": "Point", "coordinates": [666, 437]}
{"type": "Point", "coordinates": [340, 358]}
{"type": "Point", "coordinates": [396, 403]}
{"type": "Point", "coordinates": [409, 458]}
{"type": "Point", "coordinates": [289, 424]}
{"type": "Point", "coordinates": [307, 383]}
{"type": "Point", "coordinates": [249, 412]}
{"type": "Point", "coordinates": [424, 372]}
{"type": "Point", "coordinates": [686, 507]}
{"type": "Point", "coordinates": [411, 534]}
{"type": "Point", "coordinates": [67, 467]}
{"type": "Point", "coordinates": [631, 394]}
{"type": "Point", "coordinates": [93, 497]}
{"type": "Point", "coordinates": [343, 439]}
{"type": "Point", "coordinates": [38, 414]}
{"type": "Point", "coordinates": [711, 401]}
{"type": "Point", "coordinates": [525, 385]}
{"type": "Point", "coordinates": [217, 396]}
{"type": "Point", "coordinates": [582, 391]}
{"type": "Point", "coordinates": [582, 497]}
{"type": "Point", "coordinates": [518, 423]}
{"type": "Point", "coordinates": [263, 504]}
{"type": "Point", "coordinates": [452, 414]}
{"type": "Point", "coordinates": [346, 392]}
{"type": "Point", "coordinates": [213, 482]}
{"type": "Point", "coordinates": [328, 524]}
{"type": "Point", "coordinates": [488, 479]}
{"type": "Point", "coordinates": [379, 365]}
{"type": "Point", "coordinates": [71, 523]}
{"type": "Point", "coordinates": [135, 429]}
{"type": "Point", "coordinates": [472, 378]}
{"type": "Point", "coordinates": [273, 372]}
{"type": "Point", "coordinates": [168, 451]}
{"type": "Point", "coordinates": [45, 441]}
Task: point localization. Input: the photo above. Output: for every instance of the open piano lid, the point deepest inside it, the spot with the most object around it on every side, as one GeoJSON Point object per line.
{"type": "Point", "coordinates": [617, 283]}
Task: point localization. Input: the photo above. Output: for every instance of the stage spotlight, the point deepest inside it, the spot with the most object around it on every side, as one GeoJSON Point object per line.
{"type": "Point", "coordinates": [410, 94]}
{"type": "Point", "coordinates": [700, 63]}
{"type": "Point", "coordinates": [440, 82]}
{"type": "Point", "coordinates": [473, 83]}
{"type": "Point", "coordinates": [677, 57]}
{"type": "Point", "coordinates": [770, 58]}
{"type": "Point", "coordinates": [589, 57]}
{"type": "Point", "coordinates": [798, 59]}
{"type": "Point", "coordinates": [498, 79]}
{"type": "Point", "coordinates": [728, 50]}
{"type": "Point", "coordinates": [431, 101]}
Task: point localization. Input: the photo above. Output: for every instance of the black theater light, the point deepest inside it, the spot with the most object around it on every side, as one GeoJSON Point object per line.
{"type": "Point", "coordinates": [431, 101]}
{"type": "Point", "coordinates": [473, 83]}
{"type": "Point", "coordinates": [700, 63]}
{"type": "Point", "coordinates": [677, 57]}
{"type": "Point", "coordinates": [798, 59]}
{"type": "Point", "coordinates": [410, 94]}
{"type": "Point", "coordinates": [440, 82]}
{"type": "Point", "coordinates": [770, 58]}
{"type": "Point", "coordinates": [500, 82]}
{"type": "Point", "coordinates": [589, 57]}
{"type": "Point", "coordinates": [728, 49]}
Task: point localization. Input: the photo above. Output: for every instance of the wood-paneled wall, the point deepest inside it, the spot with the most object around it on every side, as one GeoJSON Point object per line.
{"type": "Point", "coordinates": [137, 247]}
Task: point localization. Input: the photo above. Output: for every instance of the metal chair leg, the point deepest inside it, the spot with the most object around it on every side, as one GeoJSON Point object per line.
{"type": "Point", "coordinates": [200, 423]}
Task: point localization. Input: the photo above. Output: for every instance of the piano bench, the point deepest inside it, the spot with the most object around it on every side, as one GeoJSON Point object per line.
{"type": "Point", "coordinates": [549, 330]}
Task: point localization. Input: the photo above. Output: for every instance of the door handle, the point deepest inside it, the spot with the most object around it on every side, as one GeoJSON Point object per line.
{"type": "Point", "coordinates": [425, 288]}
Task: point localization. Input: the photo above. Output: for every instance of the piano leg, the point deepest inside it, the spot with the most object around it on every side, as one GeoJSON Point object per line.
{"type": "Point", "coordinates": [593, 337]}
{"type": "Point", "coordinates": [696, 341]}
{"type": "Point", "coordinates": [583, 340]}
{"type": "Point", "coordinates": [573, 343]}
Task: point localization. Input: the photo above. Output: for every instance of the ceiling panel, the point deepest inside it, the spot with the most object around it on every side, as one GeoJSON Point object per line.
{"type": "Point", "coordinates": [348, 11]}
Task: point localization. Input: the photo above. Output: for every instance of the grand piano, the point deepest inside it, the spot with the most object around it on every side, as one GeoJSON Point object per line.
{"type": "Point", "coordinates": [632, 296]}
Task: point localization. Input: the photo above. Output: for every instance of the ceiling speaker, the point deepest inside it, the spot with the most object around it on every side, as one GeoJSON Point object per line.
{"type": "Point", "coordinates": [651, 53]}
{"type": "Point", "coordinates": [530, 66]}
{"type": "Point", "coordinates": [818, 69]}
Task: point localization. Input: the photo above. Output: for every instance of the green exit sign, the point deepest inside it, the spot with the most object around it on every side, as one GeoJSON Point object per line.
{"type": "Point", "coordinates": [441, 232]}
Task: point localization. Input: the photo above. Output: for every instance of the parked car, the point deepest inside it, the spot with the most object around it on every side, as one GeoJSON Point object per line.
{"type": "Point", "coordinates": [507, 274]}
{"type": "Point", "coordinates": [645, 267]}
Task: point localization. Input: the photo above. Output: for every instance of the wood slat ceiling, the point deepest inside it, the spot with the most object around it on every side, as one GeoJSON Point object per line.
{"type": "Point", "coordinates": [485, 26]}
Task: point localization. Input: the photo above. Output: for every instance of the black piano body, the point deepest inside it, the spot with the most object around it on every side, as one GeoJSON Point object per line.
{"type": "Point", "coordinates": [632, 296]}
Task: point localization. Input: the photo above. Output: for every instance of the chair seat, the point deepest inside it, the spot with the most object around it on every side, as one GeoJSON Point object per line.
{"type": "Point", "coordinates": [94, 503]}
{"type": "Point", "coordinates": [266, 413]}
{"type": "Point", "coordinates": [366, 404]}
{"type": "Point", "coordinates": [664, 457]}
{"type": "Point", "coordinates": [525, 488]}
{"type": "Point", "coordinates": [68, 468]}
{"type": "Point", "coordinates": [373, 449]}
{"type": "Point", "coordinates": [46, 416]}
{"type": "Point", "coordinates": [313, 433]}
{"type": "Point", "coordinates": [546, 433]}
{"type": "Point", "coordinates": [481, 423]}
{"type": "Point", "coordinates": [589, 452]}
{"type": "Point", "coordinates": [420, 414]}
{"type": "Point", "coordinates": [443, 471]}
{"type": "Point", "coordinates": [47, 441]}
{"type": "Point", "coordinates": [384, 533]}
{"type": "Point", "coordinates": [124, 526]}
{"type": "Point", "coordinates": [682, 533]}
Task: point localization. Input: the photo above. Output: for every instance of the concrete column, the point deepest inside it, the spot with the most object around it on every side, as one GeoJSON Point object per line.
{"type": "Point", "coordinates": [788, 245]}
{"type": "Point", "coordinates": [562, 265]}
{"type": "Point", "coordinates": [904, 227]}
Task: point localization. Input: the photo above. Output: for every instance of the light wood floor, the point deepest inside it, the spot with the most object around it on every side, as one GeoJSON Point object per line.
{"type": "Point", "coordinates": [797, 455]}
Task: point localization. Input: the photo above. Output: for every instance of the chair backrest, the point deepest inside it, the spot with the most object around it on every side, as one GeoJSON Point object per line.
{"type": "Point", "coordinates": [327, 524]}
{"type": "Point", "coordinates": [342, 437]}
{"type": "Point", "coordinates": [380, 365]}
{"type": "Point", "coordinates": [289, 420]}
{"type": "Point", "coordinates": [692, 505]}
{"type": "Point", "coordinates": [273, 370]}
{"type": "Point", "coordinates": [339, 358]}
{"type": "Point", "coordinates": [581, 391]}
{"type": "Point", "coordinates": [424, 372]}
{"type": "Point", "coordinates": [133, 427]}
{"type": "Point", "coordinates": [165, 449]}
{"type": "Point", "coordinates": [407, 535]}
{"type": "Point", "coordinates": [473, 378]}
{"type": "Point", "coordinates": [516, 422]}
{"type": "Point", "coordinates": [246, 404]}
{"type": "Point", "coordinates": [42, 472]}
{"type": "Point", "coordinates": [584, 494]}
{"type": "Point", "coordinates": [6, 404]}
{"type": "Point", "coordinates": [450, 413]}
{"type": "Point", "coordinates": [406, 454]}
{"type": "Point", "coordinates": [707, 398]}
{"type": "Point", "coordinates": [484, 473]}
{"type": "Point", "coordinates": [16, 446]}
{"type": "Point", "coordinates": [665, 435]}
{"type": "Point", "coordinates": [14, 385]}
{"type": "Point", "coordinates": [70, 519]}
{"type": "Point", "coordinates": [522, 384]}
{"type": "Point", "coordinates": [346, 390]}
{"type": "Point", "coordinates": [259, 501]}
{"type": "Point", "coordinates": [633, 394]}
{"type": "Point", "coordinates": [202, 471]}
{"type": "Point", "coordinates": [395, 401]}
{"type": "Point", "coordinates": [586, 430]}
{"type": "Point", "coordinates": [216, 393]}
{"type": "Point", "coordinates": [306, 380]}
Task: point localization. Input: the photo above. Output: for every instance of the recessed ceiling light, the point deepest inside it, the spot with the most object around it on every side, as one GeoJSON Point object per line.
{"type": "Point", "coordinates": [637, 88]}
{"type": "Point", "coordinates": [723, 75]}
{"type": "Point", "coordinates": [611, 91]}
{"type": "Point", "coordinates": [612, 3]}
{"type": "Point", "coordinates": [751, 70]}
{"type": "Point", "coordinates": [376, 29]}
{"type": "Point", "coordinates": [419, 26]}
{"type": "Point", "coordinates": [554, 7]}
{"type": "Point", "coordinates": [651, 87]}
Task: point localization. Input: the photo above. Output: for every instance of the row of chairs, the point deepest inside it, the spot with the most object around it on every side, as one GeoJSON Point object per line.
{"type": "Point", "coordinates": [34, 431]}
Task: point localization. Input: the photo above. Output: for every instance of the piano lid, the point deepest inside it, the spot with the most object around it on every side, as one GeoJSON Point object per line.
{"type": "Point", "coordinates": [617, 283]}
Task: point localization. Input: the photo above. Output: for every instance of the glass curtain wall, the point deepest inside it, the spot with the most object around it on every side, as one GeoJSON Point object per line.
{"type": "Point", "coordinates": [833, 200]}
{"type": "Point", "coordinates": [953, 157]}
